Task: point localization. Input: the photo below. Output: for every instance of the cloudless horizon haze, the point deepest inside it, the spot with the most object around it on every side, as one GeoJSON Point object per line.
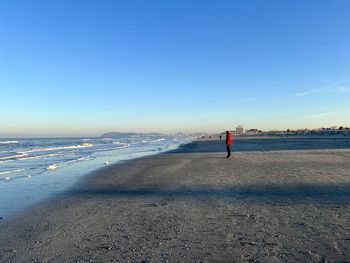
{"type": "Point", "coordinates": [82, 68]}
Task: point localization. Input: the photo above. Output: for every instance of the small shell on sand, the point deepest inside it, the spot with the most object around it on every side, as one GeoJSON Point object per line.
{"type": "Point", "coordinates": [52, 167]}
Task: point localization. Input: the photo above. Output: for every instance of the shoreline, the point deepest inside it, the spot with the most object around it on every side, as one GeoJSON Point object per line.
{"type": "Point", "coordinates": [189, 205]}
{"type": "Point", "coordinates": [43, 179]}
{"type": "Point", "coordinates": [188, 148]}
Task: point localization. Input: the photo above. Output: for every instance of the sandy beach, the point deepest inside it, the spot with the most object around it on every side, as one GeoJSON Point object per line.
{"type": "Point", "coordinates": [275, 200]}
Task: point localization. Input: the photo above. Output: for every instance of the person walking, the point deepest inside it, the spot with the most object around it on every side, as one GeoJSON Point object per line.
{"type": "Point", "coordinates": [228, 143]}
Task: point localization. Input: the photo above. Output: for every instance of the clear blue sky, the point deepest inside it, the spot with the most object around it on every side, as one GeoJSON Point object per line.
{"type": "Point", "coordinates": [86, 67]}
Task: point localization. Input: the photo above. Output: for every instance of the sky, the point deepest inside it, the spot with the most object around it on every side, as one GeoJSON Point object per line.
{"type": "Point", "coordinates": [82, 68]}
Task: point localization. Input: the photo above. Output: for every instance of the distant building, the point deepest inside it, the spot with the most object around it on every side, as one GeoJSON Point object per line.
{"type": "Point", "coordinates": [252, 132]}
{"type": "Point", "coordinates": [240, 130]}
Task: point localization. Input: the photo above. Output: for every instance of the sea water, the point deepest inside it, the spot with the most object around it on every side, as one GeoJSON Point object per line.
{"type": "Point", "coordinates": [34, 169]}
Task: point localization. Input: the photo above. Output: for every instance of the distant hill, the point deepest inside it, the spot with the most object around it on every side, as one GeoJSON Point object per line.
{"type": "Point", "coordinates": [125, 134]}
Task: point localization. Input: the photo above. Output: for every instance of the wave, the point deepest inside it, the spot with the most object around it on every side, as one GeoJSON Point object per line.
{"type": "Point", "coordinates": [120, 143]}
{"type": "Point", "coordinates": [20, 155]}
{"type": "Point", "coordinates": [10, 157]}
{"type": "Point", "coordinates": [83, 145]}
{"type": "Point", "coordinates": [84, 158]}
{"type": "Point", "coordinates": [11, 171]}
{"type": "Point", "coordinates": [124, 146]}
{"type": "Point", "coordinates": [38, 156]}
{"type": "Point", "coordinates": [148, 142]}
{"type": "Point", "coordinates": [54, 166]}
{"type": "Point", "coordinates": [114, 148]}
{"type": "Point", "coordinates": [25, 156]}
{"type": "Point", "coordinates": [9, 142]}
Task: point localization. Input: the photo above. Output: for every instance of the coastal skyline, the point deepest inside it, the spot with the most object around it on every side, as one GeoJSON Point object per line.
{"type": "Point", "coordinates": [83, 68]}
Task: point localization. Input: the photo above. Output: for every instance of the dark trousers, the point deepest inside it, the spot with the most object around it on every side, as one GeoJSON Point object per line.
{"type": "Point", "coordinates": [228, 147]}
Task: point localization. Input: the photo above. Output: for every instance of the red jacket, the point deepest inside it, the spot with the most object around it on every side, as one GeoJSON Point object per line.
{"type": "Point", "coordinates": [228, 138]}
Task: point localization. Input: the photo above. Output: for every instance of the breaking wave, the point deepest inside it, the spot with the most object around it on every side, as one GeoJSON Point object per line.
{"type": "Point", "coordinates": [11, 157]}
{"type": "Point", "coordinates": [9, 142]}
{"type": "Point", "coordinates": [83, 145]}
{"type": "Point", "coordinates": [11, 171]}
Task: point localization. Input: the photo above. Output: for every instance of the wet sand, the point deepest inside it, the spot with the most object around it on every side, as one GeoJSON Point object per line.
{"type": "Point", "coordinates": [194, 205]}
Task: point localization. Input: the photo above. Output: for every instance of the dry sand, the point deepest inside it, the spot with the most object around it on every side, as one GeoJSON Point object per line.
{"type": "Point", "coordinates": [194, 205]}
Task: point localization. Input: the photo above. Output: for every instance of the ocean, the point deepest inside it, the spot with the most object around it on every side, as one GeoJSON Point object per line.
{"type": "Point", "coordinates": [37, 168]}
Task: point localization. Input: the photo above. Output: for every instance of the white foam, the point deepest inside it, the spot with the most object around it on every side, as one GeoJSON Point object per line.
{"type": "Point", "coordinates": [52, 167]}
{"type": "Point", "coordinates": [115, 148]}
{"type": "Point", "coordinates": [7, 178]}
{"type": "Point", "coordinates": [38, 156]}
{"type": "Point", "coordinates": [106, 163]}
{"type": "Point", "coordinates": [120, 143]}
{"type": "Point", "coordinates": [8, 142]}
{"type": "Point", "coordinates": [158, 140]}
{"type": "Point", "coordinates": [84, 158]}
{"type": "Point", "coordinates": [11, 171]}
{"type": "Point", "coordinates": [22, 154]}
{"type": "Point", "coordinates": [84, 145]}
